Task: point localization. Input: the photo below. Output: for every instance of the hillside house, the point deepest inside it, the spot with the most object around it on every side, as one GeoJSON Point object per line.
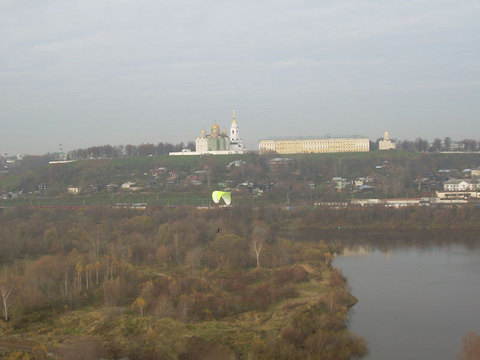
{"type": "Point", "coordinates": [475, 172]}
{"type": "Point", "coordinates": [461, 185]}
{"type": "Point", "coordinates": [73, 190]}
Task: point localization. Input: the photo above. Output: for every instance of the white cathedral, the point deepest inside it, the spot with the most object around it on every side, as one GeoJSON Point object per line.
{"type": "Point", "coordinates": [386, 143]}
{"type": "Point", "coordinates": [217, 142]}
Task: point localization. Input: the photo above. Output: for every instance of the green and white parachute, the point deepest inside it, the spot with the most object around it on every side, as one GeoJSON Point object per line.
{"type": "Point", "coordinates": [218, 195]}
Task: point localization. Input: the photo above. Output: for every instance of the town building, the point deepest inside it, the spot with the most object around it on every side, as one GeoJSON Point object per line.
{"type": "Point", "coordinates": [475, 172]}
{"type": "Point", "coordinates": [462, 185]}
{"type": "Point", "coordinates": [306, 145]}
{"type": "Point", "coordinates": [280, 163]}
{"type": "Point", "coordinates": [386, 143]}
{"type": "Point", "coordinates": [457, 195]}
{"type": "Point", "coordinates": [73, 190]}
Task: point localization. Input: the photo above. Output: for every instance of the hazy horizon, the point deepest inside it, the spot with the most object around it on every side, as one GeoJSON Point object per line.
{"type": "Point", "coordinates": [131, 72]}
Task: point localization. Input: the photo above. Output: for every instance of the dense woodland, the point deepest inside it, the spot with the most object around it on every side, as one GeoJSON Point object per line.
{"type": "Point", "coordinates": [169, 284]}
{"type": "Point", "coordinates": [182, 283]}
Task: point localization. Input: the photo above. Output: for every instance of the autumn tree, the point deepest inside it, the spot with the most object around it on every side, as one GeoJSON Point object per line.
{"type": "Point", "coordinates": [471, 346]}
{"type": "Point", "coordinates": [228, 251]}
{"type": "Point", "coordinates": [18, 355]}
{"type": "Point", "coordinates": [139, 304]}
{"type": "Point", "coordinates": [40, 352]}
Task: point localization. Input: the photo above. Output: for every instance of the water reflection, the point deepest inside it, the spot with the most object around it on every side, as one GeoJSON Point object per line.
{"type": "Point", "coordinates": [363, 250]}
{"type": "Point", "coordinates": [389, 239]}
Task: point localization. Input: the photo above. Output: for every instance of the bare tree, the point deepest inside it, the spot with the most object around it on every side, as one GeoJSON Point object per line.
{"type": "Point", "coordinates": [259, 235]}
{"type": "Point", "coordinates": [5, 293]}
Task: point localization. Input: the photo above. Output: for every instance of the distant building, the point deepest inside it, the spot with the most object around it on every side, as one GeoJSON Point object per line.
{"type": "Point", "coordinates": [461, 185]}
{"type": "Point", "coordinates": [278, 163]}
{"type": "Point", "coordinates": [130, 185]}
{"type": "Point", "coordinates": [217, 142]}
{"type": "Point", "coordinates": [236, 163]}
{"type": "Point", "coordinates": [73, 190]}
{"type": "Point", "coordinates": [457, 195]}
{"type": "Point", "coordinates": [386, 143]}
{"type": "Point", "coordinates": [475, 172]}
{"type": "Point", "coordinates": [315, 145]}
{"type": "Point", "coordinates": [236, 143]}
{"type": "Point", "coordinates": [61, 157]}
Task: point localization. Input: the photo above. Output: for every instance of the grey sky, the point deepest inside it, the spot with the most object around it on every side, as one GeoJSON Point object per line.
{"type": "Point", "coordinates": [85, 73]}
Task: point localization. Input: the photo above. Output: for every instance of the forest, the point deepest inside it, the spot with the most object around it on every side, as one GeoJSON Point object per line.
{"type": "Point", "coordinates": [176, 283]}
{"type": "Point", "coordinates": [183, 283]}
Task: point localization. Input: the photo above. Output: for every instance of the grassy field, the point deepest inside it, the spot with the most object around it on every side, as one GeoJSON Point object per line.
{"type": "Point", "coordinates": [199, 198]}
{"type": "Point", "coordinates": [158, 199]}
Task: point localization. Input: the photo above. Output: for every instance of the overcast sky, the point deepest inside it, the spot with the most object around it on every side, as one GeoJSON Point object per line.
{"type": "Point", "coordinates": [92, 72]}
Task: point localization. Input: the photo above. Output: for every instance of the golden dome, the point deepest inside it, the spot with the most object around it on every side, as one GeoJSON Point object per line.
{"type": "Point", "coordinates": [215, 130]}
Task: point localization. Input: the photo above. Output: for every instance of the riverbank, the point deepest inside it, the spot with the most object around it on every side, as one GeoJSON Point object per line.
{"type": "Point", "coordinates": [294, 327]}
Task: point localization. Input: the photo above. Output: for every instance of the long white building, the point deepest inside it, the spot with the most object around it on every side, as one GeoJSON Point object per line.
{"type": "Point", "coordinates": [305, 145]}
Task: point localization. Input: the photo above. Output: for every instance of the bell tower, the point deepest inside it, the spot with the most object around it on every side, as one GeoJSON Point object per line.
{"type": "Point", "coordinates": [234, 136]}
{"type": "Point", "coordinates": [236, 144]}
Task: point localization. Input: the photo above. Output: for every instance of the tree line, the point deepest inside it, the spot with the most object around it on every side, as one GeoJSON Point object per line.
{"type": "Point", "coordinates": [109, 151]}
{"type": "Point", "coordinates": [437, 145]}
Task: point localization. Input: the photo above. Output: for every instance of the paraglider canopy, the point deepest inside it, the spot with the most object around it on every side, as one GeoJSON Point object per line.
{"type": "Point", "coordinates": [218, 195]}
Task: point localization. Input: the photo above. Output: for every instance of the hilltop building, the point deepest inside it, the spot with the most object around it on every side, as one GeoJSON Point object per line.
{"type": "Point", "coordinates": [236, 143]}
{"type": "Point", "coordinates": [307, 145]}
{"type": "Point", "coordinates": [61, 157]}
{"type": "Point", "coordinates": [217, 142]}
{"type": "Point", "coordinates": [386, 143]}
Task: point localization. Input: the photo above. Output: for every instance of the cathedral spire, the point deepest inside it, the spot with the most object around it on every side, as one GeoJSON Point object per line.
{"type": "Point", "coordinates": [234, 121]}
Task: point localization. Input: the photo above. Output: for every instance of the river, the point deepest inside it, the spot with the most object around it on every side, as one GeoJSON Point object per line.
{"type": "Point", "coordinates": [415, 301]}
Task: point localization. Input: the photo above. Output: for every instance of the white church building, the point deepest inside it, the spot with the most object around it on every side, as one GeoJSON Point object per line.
{"type": "Point", "coordinates": [386, 143]}
{"type": "Point", "coordinates": [217, 142]}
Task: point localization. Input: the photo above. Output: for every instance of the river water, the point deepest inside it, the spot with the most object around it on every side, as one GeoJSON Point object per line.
{"type": "Point", "coordinates": [415, 301]}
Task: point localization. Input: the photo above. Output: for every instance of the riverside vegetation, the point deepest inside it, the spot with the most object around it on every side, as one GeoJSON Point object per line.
{"type": "Point", "coordinates": [173, 283]}
{"type": "Point", "coordinates": [183, 283]}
